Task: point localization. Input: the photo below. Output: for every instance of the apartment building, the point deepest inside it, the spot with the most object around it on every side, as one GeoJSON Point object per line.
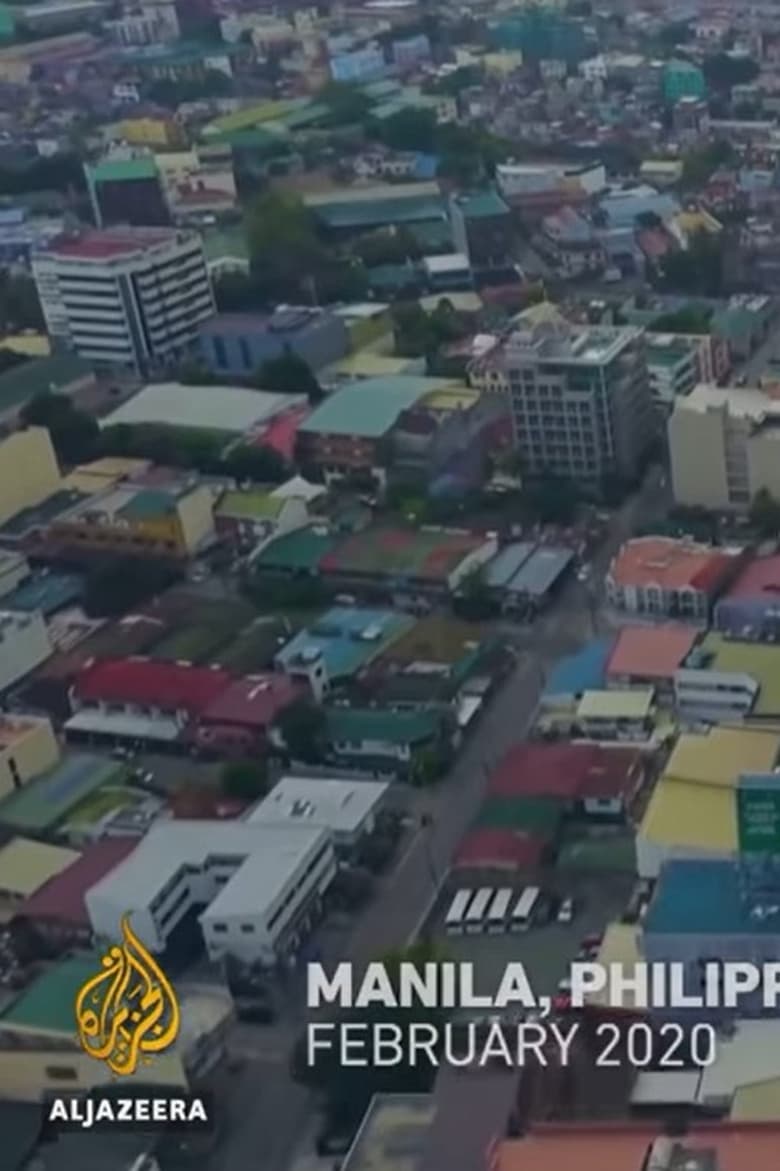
{"type": "Point", "coordinates": [129, 298]}
{"type": "Point", "coordinates": [740, 432]}
{"type": "Point", "coordinates": [579, 395]}
{"type": "Point", "coordinates": [261, 886]}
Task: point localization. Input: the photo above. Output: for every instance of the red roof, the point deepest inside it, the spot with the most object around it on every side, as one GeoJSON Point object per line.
{"type": "Point", "coordinates": [651, 652]}
{"type": "Point", "coordinates": [625, 1147]}
{"type": "Point", "coordinates": [254, 701]}
{"type": "Point", "coordinates": [107, 243]}
{"type": "Point", "coordinates": [499, 849]}
{"type": "Point", "coordinates": [670, 564]}
{"type": "Point", "coordinates": [760, 578]}
{"type": "Point", "coordinates": [62, 897]}
{"type": "Point", "coordinates": [202, 804]}
{"type": "Point", "coordinates": [569, 772]}
{"type": "Point", "coordinates": [281, 431]}
{"type": "Point", "coordinates": [171, 686]}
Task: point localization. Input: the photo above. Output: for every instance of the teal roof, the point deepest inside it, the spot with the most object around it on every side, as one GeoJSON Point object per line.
{"type": "Point", "coordinates": [369, 407]}
{"type": "Point", "coordinates": [37, 375]}
{"type": "Point", "coordinates": [300, 550]}
{"type": "Point", "coordinates": [149, 503]}
{"type": "Point", "coordinates": [347, 638]}
{"type": "Point", "coordinates": [395, 727]}
{"type": "Point", "coordinates": [482, 204]}
{"type": "Point", "coordinates": [122, 170]}
{"type": "Point", "coordinates": [377, 212]}
{"type": "Point", "coordinates": [49, 1003]}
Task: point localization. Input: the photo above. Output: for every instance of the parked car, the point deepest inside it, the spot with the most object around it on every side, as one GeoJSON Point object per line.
{"type": "Point", "coordinates": [566, 911]}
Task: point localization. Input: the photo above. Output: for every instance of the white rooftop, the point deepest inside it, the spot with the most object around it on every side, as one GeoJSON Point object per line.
{"type": "Point", "coordinates": [744, 402]}
{"type": "Point", "coordinates": [451, 262]}
{"type": "Point", "coordinates": [269, 851]}
{"type": "Point", "coordinates": [217, 408]}
{"type": "Point", "coordinates": [340, 806]}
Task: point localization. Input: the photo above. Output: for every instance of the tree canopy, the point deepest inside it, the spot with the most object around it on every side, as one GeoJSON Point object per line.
{"type": "Point", "coordinates": [765, 514]}
{"type": "Point", "coordinates": [302, 727]}
{"type": "Point", "coordinates": [245, 780]}
{"type": "Point", "coordinates": [75, 435]}
{"type": "Point", "coordinates": [289, 373]}
{"type": "Point", "coordinates": [698, 269]}
{"type": "Point", "coordinates": [725, 70]}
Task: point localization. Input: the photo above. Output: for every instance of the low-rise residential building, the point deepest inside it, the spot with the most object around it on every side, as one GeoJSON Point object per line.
{"type": "Point", "coordinates": [174, 520]}
{"type": "Point", "coordinates": [24, 645]}
{"type": "Point", "coordinates": [482, 228]}
{"type": "Point", "coordinates": [666, 576]}
{"type": "Point", "coordinates": [25, 865]}
{"type": "Point", "coordinates": [237, 722]}
{"type": "Point", "coordinates": [571, 243]}
{"type": "Point", "coordinates": [29, 472]}
{"type": "Point", "coordinates": [649, 656]}
{"type": "Point", "coordinates": [248, 517]}
{"type": "Point", "coordinates": [707, 696]}
{"type": "Point", "coordinates": [594, 780]}
{"type": "Point", "coordinates": [387, 742]}
{"type": "Point", "coordinates": [616, 715]}
{"type": "Point", "coordinates": [261, 885]}
{"type": "Point", "coordinates": [738, 429]}
{"type": "Point", "coordinates": [238, 344]}
{"type": "Point", "coordinates": [40, 1052]}
{"type": "Point", "coordinates": [28, 748]}
{"type": "Point", "coordinates": [347, 809]}
{"type": "Point", "coordinates": [141, 700]}
{"type": "Point", "coordinates": [747, 669]}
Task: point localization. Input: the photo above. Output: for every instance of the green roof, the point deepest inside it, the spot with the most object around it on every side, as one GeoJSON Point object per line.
{"type": "Point", "coordinates": [122, 170]}
{"type": "Point", "coordinates": [368, 407]}
{"type": "Point", "coordinates": [259, 138]}
{"type": "Point", "coordinates": [300, 550]}
{"type": "Point", "coordinates": [45, 801]}
{"type": "Point", "coordinates": [252, 116]}
{"type": "Point", "coordinates": [148, 503]}
{"type": "Point", "coordinates": [49, 1003]}
{"type": "Point", "coordinates": [395, 727]}
{"type": "Point", "coordinates": [29, 378]}
{"type": "Point", "coordinates": [482, 204]}
{"type": "Point", "coordinates": [378, 212]}
{"type": "Point", "coordinates": [250, 505]}
{"type": "Point", "coordinates": [537, 815]}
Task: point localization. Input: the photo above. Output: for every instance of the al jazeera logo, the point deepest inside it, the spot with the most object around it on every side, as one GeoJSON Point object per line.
{"type": "Point", "coordinates": [126, 1015]}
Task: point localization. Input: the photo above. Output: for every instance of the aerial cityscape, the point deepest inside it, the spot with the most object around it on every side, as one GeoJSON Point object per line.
{"type": "Point", "coordinates": [389, 585]}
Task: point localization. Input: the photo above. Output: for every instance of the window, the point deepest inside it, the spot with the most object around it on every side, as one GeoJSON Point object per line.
{"type": "Point", "coordinates": [61, 1073]}
{"type": "Point", "coordinates": [220, 928]}
{"type": "Point", "coordinates": [220, 354]}
{"type": "Point", "coordinates": [248, 928]}
{"type": "Point", "coordinates": [14, 771]}
{"type": "Point", "coordinates": [246, 357]}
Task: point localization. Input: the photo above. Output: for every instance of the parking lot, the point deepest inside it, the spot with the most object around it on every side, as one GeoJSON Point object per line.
{"type": "Point", "coordinates": [545, 949]}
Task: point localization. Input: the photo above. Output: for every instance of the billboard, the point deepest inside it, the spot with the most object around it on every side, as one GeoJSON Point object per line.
{"type": "Point", "coordinates": [758, 814]}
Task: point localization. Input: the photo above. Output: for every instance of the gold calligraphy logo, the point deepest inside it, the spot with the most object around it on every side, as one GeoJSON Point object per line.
{"type": "Point", "coordinates": [129, 1009]}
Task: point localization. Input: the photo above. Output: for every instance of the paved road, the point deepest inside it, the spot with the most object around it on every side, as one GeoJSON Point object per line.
{"type": "Point", "coordinates": [271, 1116]}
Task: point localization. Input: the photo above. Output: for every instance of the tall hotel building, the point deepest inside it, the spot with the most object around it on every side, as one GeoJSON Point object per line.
{"type": "Point", "coordinates": [129, 298]}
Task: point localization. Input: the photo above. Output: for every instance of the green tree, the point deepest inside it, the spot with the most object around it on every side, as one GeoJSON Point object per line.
{"type": "Point", "coordinates": [698, 269]}
{"type": "Point", "coordinates": [194, 373]}
{"type": "Point", "coordinates": [236, 292]}
{"type": "Point", "coordinates": [284, 249]}
{"type": "Point", "coordinates": [303, 727]}
{"type": "Point", "coordinates": [553, 499]}
{"type": "Point", "coordinates": [725, 70]}
{"type": "Point", "coordinates": [246, 780]}
{"type": "Point", "coordinates": [688, 320]}
{"type": "Point", "coordinates": [289, 373]}
{"type": "Point", "coordinates": [700, 163]}
{"type": "Point", "coordinates": [74, 434]}
{"type": "Point", "coordinates": [765, 514]}
{"type": "Point", "coordinates": [346, 103]}
{"type": "Point", "coordinates": [387, 246]}
{"type": "Point", "coordinates": [262, 464]}
{"type": "Point", "coordinates": [20, 307]}
{"type": "Point", "coordinates": [678, 32]}
{"type": "Point", "coordinates": [409, 129]}
{"type": "Point", "coordinates": [116, 586]}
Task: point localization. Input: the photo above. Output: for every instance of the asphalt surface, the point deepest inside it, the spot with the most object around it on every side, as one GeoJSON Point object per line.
{"type": "Point", "coordinates": [271, 1118]}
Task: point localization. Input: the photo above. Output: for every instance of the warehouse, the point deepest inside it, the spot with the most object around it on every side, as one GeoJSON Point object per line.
{"type": "Point", "coordinates": [254, 889]}
{"type": "Point", "coordinates": [232, 409]}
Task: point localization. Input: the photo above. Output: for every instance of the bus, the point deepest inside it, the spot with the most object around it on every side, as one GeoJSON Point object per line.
{"type": "Point", "coordinates": [522, 916]}
{"type": "Point", "coordinates": [475, 916]}
{"type": "Point", "coordinates": [453, 922]}
{"type": "Point", "coordinates": [496, 918]}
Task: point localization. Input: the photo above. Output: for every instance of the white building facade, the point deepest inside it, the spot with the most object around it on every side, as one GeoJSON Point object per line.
{"type": "Point", "coordinates": [129, 298]}
{"type": "Point", "coordinates": [257, 889]}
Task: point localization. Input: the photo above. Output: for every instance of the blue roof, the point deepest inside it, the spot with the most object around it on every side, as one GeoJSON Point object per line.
{"type": "Point", "coordinates": [347, 638]}
{"type": "Point", "coordinates": [708, 897]}
{"type": "Point", "coordinates": [46, 592]}
{"type": "Point", "coordinates": [585, 670]}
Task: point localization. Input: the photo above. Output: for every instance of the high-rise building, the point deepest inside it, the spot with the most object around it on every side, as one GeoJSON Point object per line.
{"type": "Point", "coordinates": [580, 395]}
{"type": "Point", "coordinates": [125, 297]}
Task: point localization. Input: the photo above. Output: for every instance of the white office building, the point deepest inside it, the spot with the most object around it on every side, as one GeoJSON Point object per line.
{"type": "Point", "coordinates": [346, 808]}
{"type": "Point", "coordinates": [129, 298]}
{"type": "Point", "coordinates": [257, 888]}
{"type": "Point", "coordinates": [24, 645]}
